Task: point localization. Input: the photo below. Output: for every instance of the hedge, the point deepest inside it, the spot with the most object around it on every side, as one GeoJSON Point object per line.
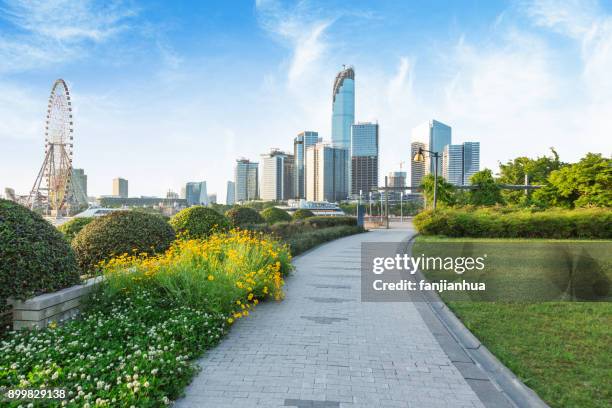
{"type": "Point", "coordinates": [121, 232]}
{"type": "Point", "coordinates": [198, 222]}
{"type": "Point", "coordinates": [74, 226]}
{"type": "Point", "coordinates": [34, 256]}
{"type": "Point", "coordinates": [326, 222]}
{"type": "Point", "coordinates": [491, 223]}
{"type": "Point", "coordinates": [272, 215]}
{"type": "Point", "coordinates": [302, 242]}
{"type": "Point", "coordinates": [242, 216]}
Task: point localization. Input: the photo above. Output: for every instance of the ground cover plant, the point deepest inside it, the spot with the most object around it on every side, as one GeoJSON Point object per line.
{"type": "Point", "coordinates": [151, 317]}
{"type": "Point", "coordinates": [558, 348]}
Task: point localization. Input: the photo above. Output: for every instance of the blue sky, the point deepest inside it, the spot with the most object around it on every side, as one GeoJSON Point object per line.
{"type": "Point", "coordinates": [170, 92]}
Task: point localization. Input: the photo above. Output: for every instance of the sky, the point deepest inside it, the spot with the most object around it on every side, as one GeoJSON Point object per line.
{"type": "Point", "coordinates": [169, 92]}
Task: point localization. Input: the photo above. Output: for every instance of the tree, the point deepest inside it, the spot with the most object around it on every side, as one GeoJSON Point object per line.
{"type": "Point", "coordinates": [445, 191]}
{"type": "Point", "coordinates": [487, 190]}
{"type": "Point", "coordinates": [586, 183]}
{"type": "Point", "coordinates": [538, 170]}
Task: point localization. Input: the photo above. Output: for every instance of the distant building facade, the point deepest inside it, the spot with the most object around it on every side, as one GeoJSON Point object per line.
{"type": "Point", "coordinates": [326, 176]}
{"type": "Point", "coordinates": [396, 179]}
{"type": "Point", "coordinates": [120, 187]}
{"type": "Point", "coordinates": [212, 198]}
{"type": "Point", "coordinates": [417, 169]}
{"type": "Point", "coordinates": [230, 196]}
{"type": "Point", "coordinates": [364, 158]}
{"type": "Point", "coordinates": [433, 136]}
{"type": "Point", "coordinates": [300, 144]}
{"type": "Point", "coordinates": [196, 193]}
{"type": "Point", "coordinates": [277, 176]}
{"type": "Point", "coordinates": [246, 177]}
{"type": "Point", "coordinates": [343, 115]}
{"type": "Point", "coordinates": [461, 162]}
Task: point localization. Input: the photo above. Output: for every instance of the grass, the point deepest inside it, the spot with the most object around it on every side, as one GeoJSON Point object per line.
{"type": "Point", "coordinates": [560, 349]}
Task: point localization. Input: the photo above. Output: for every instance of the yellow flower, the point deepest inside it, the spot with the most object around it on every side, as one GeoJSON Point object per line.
{"type": "Point", "coordinates": [250, 296]}
{"type": "Point", "coordinates": [230, 320]}
{"type": "Point", "coordinates": [211, 278]}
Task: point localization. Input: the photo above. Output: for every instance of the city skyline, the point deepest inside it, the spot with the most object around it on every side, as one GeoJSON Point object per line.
{"type": "Point", "coordinates": [492, 72]}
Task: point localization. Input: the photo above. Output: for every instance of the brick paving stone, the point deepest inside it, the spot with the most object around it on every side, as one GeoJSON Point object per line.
{"type": "Point", "coordinates": [323, 344]}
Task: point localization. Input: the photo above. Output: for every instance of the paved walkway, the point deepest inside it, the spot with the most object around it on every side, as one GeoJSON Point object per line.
{"type": "Point", "coordinates": [323, 347]}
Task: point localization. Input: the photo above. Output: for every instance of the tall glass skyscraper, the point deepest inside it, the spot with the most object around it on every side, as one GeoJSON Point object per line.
{"type": "Point", "coordinates": [277, 176]}
{"type": "Point", "coordinates": [300, 144]}
{"type": "Point", "coordinates": [461, 162]}
{"type": "Point", "coordinates": [343, 115]}
{"type": "Point", "coordinates": [326, 173]}
{"type": "Point", "coordinates": [343, 108]}
{"type": "Point", "coordinates": [230, 197]}
{"type": "Point", "coordinates": [364, 158]}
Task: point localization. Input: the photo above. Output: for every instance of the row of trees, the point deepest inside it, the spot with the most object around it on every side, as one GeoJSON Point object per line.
{"type": "Point", "coordinates": [587, 183]}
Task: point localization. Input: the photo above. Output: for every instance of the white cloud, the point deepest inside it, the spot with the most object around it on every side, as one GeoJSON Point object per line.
{"type": "Point", "coordinates": [54, 31]}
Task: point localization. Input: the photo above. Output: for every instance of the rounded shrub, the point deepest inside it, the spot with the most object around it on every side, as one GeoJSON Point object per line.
{"type": "Point", "coordinates": [72, 227]}
{"type": "Point", "coordinates": [34, 256]}
{"type": "Point", "coordinates": [302, 213]}
{"type": "Point", "coordinates": [198, 222]}
{"type": "Point", "coordinates": [273, 215]}
{"type": "Point", "coordinates": [118, 233]}
{"type": "Point", "coordinates": [243, 216]}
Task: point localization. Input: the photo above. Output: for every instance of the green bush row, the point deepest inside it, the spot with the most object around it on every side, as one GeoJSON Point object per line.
{"type": "Point", "coordinates": [490, 223]}
{"type": "Point", "coordinates": [302, 242]}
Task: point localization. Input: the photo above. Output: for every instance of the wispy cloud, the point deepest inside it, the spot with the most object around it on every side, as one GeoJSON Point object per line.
{"type": "Point", "coordinates": [53, 31]}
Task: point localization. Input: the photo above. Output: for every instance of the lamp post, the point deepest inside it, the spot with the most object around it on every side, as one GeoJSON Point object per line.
{"type": "Point", "coordinates": [420, 157]}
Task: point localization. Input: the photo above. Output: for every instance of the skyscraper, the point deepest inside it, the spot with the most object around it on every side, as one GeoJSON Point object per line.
{"type": "Point", "coordinates": [343, 108]}
{"type": "Point", "coordinates": [396, 179]}
{"type": "Point", "coordinates": [471, 160]}
{"type": "Point", "coordinates": [364, 158]}
{"type": "Point", "coordinates": [196, 193]}
{"type": "Point", "coordinates": [120, 187]}
{"type": "Point", "coordinates": [432, 135]}
{"type": "Point", "coordinates": [300, 143]}
{"type": "Point", "coordinates": [326, 177]}
{"type": "Point", "coordinates": [461, 162]}
{"type": "Point", "coordinates": [343, 115]}
{"type": "Point", "coordinates": [417, 169]}
{"type": "Point", "coordinates": [277, 176]}
{"type": "Point", "coordinates": [230, 197]}
{"type": "Point", "coordinates": [79, 179]}
{"type": "Point", "coordinates": [246, 177]}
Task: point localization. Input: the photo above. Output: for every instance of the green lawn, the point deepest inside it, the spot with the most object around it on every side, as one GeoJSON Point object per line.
{"type": "Point", "coordinates": [561, 349]}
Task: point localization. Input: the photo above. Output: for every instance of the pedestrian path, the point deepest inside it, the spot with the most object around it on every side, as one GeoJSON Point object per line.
{"type": "Point", "coordinates": [323, 347]}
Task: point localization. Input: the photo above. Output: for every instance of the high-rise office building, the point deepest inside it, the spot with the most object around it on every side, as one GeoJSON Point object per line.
{"type": "Point", "coordinates": [343, 114]}
{"type": "Point", "coordinates": [396, 179]}
{"type": "Point", "coordinates": [364, 158]}
{"type": "Point", "coordinates": [196, 193]}
{"type": "Point", "coordinates": [300, 143]}
{"type": "Point", "coordinates": [433, 135]}
{"type": "Point", "coordinates": [452, 164]}
{"type": "Point", "coordinates": [277, 176]}
{"type": "Point", "coordinates": [326, 176]}
{"type": "Point", "coordinates": [246, 177]}
{"type": "Point", "coordinates": [120, 187]}
{"type": "Point", "coordinates": [230, 197]}
{"type": "Point", "coordinates": [461, 162]}
{"type": "Point", "coordinates": [79, 180]}
{"type": "Point", "coordinates": [471, 160]}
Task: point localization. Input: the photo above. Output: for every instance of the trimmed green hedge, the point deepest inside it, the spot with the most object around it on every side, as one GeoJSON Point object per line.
{"type": "Point", "coordinates": [242, 216]}
{"type": "Point", "coordinates": [491, 223]}
{"type": "Point", "coordinates": [326, 222]}
{"type": "Point", "coordinates": [34, 256]}
{"type": "Point", "coordinates": [198, 222]}
{"type": "Point", "coordinates": [273, 215]}
{"type": "Point", "coordinates": [74, 226]}
{"type": "Point", "coordinates": [118, 233]}
{"type": "Point", "coordinates": [302, 242]}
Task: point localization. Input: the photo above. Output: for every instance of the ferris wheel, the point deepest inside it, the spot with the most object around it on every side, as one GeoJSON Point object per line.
{"type": "Point", "coordinates": [53, 188]}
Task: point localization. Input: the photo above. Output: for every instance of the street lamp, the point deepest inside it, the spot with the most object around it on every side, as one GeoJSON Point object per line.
{"type": "Point", "coordinates": [420, 157]}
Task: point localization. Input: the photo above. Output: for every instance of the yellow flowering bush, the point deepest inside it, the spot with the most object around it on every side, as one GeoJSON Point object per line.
{"type": "Point", "coordinates": [228, 272]}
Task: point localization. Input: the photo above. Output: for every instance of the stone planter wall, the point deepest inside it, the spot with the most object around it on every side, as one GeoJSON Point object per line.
{"type": "Point", "coordinates": [58, 306]}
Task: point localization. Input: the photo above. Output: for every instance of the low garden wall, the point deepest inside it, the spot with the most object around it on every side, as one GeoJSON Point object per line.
{"type": "Point", "coordinates": [39, 311]}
